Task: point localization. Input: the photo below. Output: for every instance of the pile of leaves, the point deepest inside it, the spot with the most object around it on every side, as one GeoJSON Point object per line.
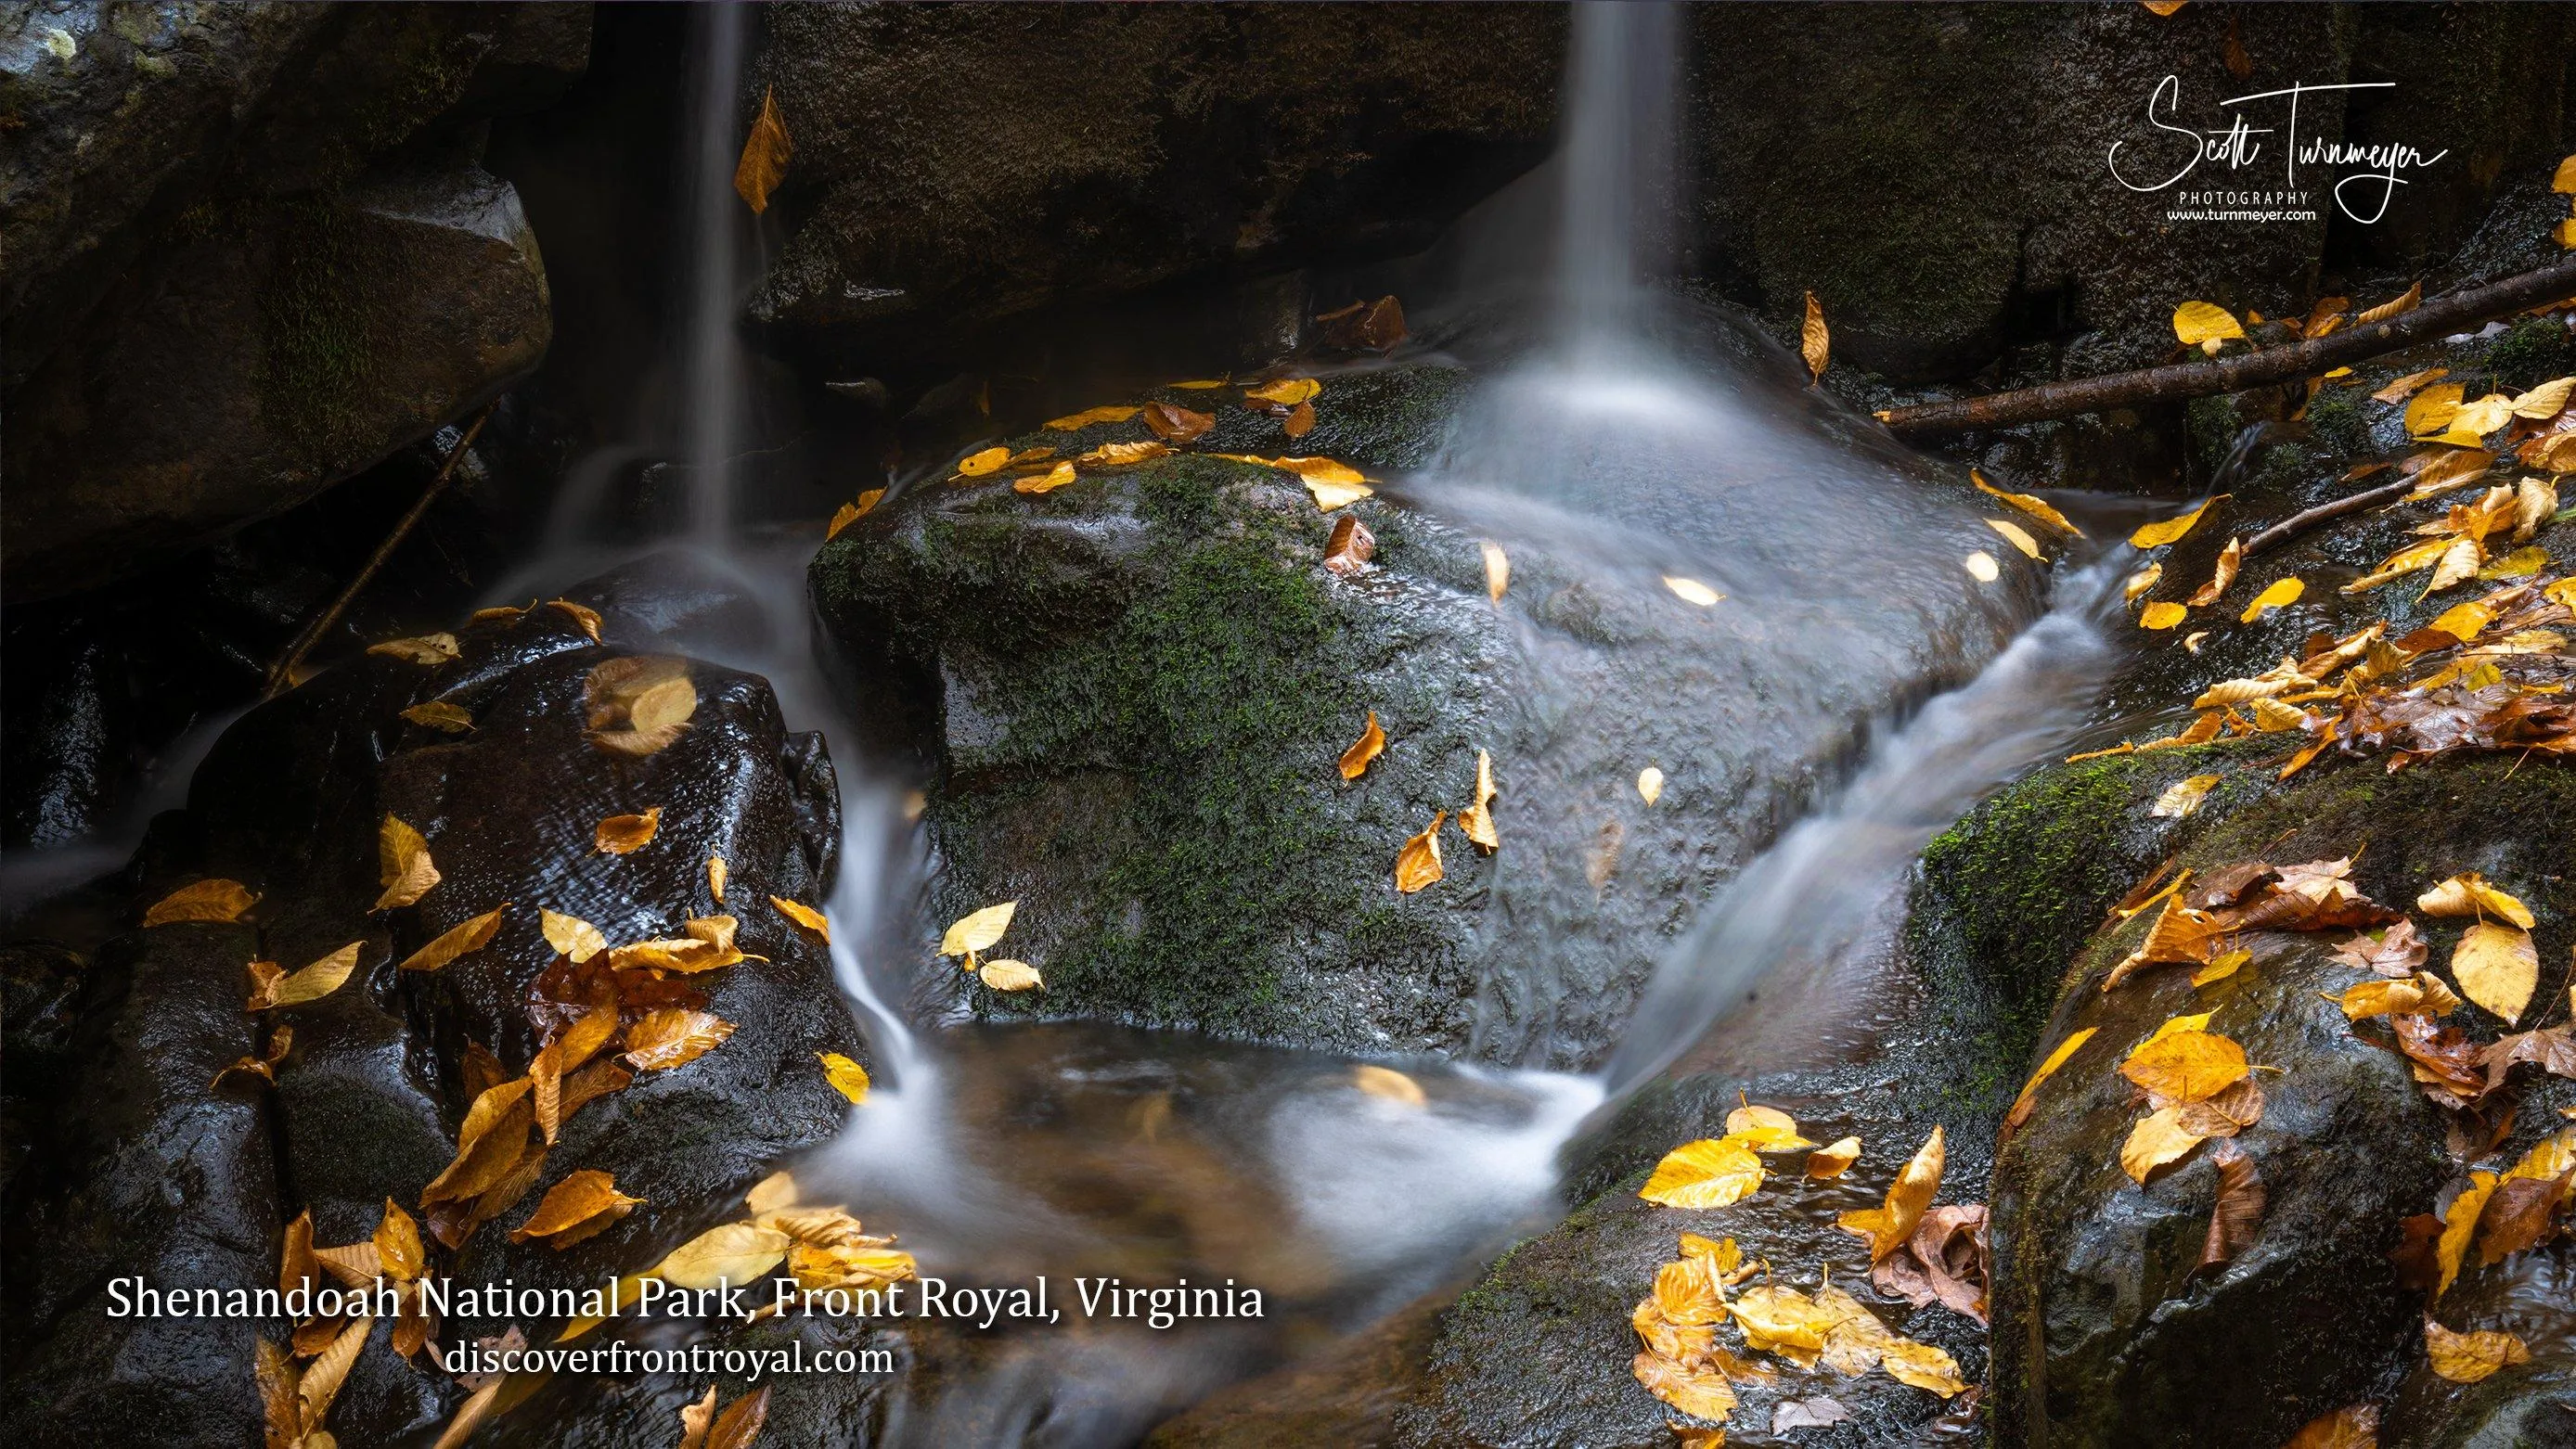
{"type": "Point", "coordinates": [1919, 1253]}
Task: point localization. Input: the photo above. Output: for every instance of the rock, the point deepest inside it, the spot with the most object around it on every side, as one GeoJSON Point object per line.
{"type": "Point", "coordinates": [2102, 1335]}
{"type": "Point", "coordinates": [367, 1100]}
{"type": "Point", "coordinates": [955, 166]}
{"type": "Point", "coordinates": [1141, 683]}
{"type": "Point", "coordinates": [1349, 1394]}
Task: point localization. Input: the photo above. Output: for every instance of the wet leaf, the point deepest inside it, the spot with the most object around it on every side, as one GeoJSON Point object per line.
{"type": "Point", "coordinates": [2182, 797]}
{"type": "Point", "coordinates": [1084, 419]}
{"type": "Point", "coordinates": [1477, 820]}
{"type": "Point", "coordinates": [2225, 1113]}
{"type": "Point", "coordinates": [991, 460]}
{"type": "Point", "coordinates": [1650, 784]}
{"type": "Point", "coordinates": [2238, 1215]}
{"type": "Point", "coordinates": [426, 649]}
{"type": "Point", "coordinates": [2521, 1215]}
{"type": "Point", "coordinates": [977, 930]}
{"type": "Point", "coordinates": [1815, 343]}
{"type": "Point", "coordinates": [403, 866]}
{"type": "Point", "coordinates": [1765, 1129]}
{"type": "Point", "coordinates": [2466, 1358]}
{"type": "Point", "coordinates": [1176, 424]}
{"type": "Point", "coordinates": [2036, 508]}
{"type": "Point", "coordinates": [672, 1037]}
{"type": "Point", "coordinates": [741, 1421]}
{"type": "Point", "coordinates": [2354, 1427]}
{"type": "Point", "coordinates": [1371, 744]}
{"type": "Point", "coordinates": [1700, 1393]}
{"type": "Point", "coordinates": [2431, 410]}
{"type": "Point", "coordinates": [281, 1040]}
{"type": "Point", "coordinates": [638, 705]}
{"type": "Point", "coordinates": [1350, 547]}
{"type": "Point", "coordinates": [2141, 581]}
{"type": "Point", "coordinates": [2404, 387]}
{"type": "Point", "coordinates": [846, 1076]}
{"type": "Point", "coordinates": [1287, 391]}
{"type": "Point", "coordinates": [804, 915]}
{"type": "Point", "coordinates": [2018, 536]}
{"type": "Point", "coordinates": [1924, 1366]}
{"type": "Point", "coordinates": [2221, 967]}
{"type": "Point", "coordinates": [2204, 325]}
{"type": "Point", "coordinates": [1888, 1226]}
{"type": "Point", "coordinates": [439, 715]}
{"type": "Point", "coordinates": [696, 1419]}
{"type": "Point", "coordinates": [1009, 975]}
{"type": "Point", "coordinates": [306, 983]}
{"type": "Point", "coordinates": [2457, 1224]}
{"type": "Point", "coordinates": [2497, 967]}
{"type": "Point", "coordinates": [322, 1378]}
{"type": "Point", "coordinates": [571, 935]}
{"type": "Point", "coordinates": [1711, 1172]}
{"type": "Point", "coordinates": [1692, 591]}
{"type": "Point", "coordinates": [1122, 455]}
{"type": "Point", "coordinates": [2162, 616]}
{"type": "Point", "coordinates": [765, 152]}
{"type": "Point", "coordinates": [1365, 326]}
{"type": "Point", "coordinates": [1300, 421]}
{"type": "Point", "coordinates": [2386, 310]}
{"type": "Point", "coordinates": [1816, 1413]}
{"type": "Point", "coordinates": [2022, 1104]}
{"type": "Point", "coordinates": [206, 900]}
{"type": "Point", "coordinates": [2158, 1140]}
{"type": "Point", "coordinates": [469, 935]}
{"type": "Point", "coordinates": [2156, 535]}
{"type": "Point", "coordinates": [2422, 993]}
{"type": "Point", "coordinates": [1046, 482]}
{"type": "Point", "coordinates": [735, 1253]}
{"type": "Point", "coordinates": [2229, 558]}
{"type": "Point", "coordinates": [2469, 894]}
{"type": "Point", "coordinates": [1418, 863]}
{"type": "Point", "coordinates": [2279, 593]}
{"type": "Point", "coordinates": [582, 1206]}
{"type": "Point", "coordinates": [1946, 1261]}
{"type": "Point", "coordinates": [1498, 571]}
{"type": "Point", "coordinates": [1388, 1083]}
{"type": "Point", "coordinates": [1331, 493]}
{"type": "Point", "coordinates": [2186, 1066]}
{"type": "Point", "coordinates": [488, 1144]}
{"type": "Point", "coordinates": [1834, 1158]}
{"type": "Point", "coordinates": [2396, 951]}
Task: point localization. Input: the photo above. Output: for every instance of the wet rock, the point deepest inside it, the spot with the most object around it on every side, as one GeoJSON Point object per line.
{"type": "Point", "coordinates": [2102, 1332]}
{"type": "Point", "coordinates": [1106, 151]}
{"type": "Point", "coordinates": [1141, 683]}
{"type": "Point", "coordinates": [1348, 1395]}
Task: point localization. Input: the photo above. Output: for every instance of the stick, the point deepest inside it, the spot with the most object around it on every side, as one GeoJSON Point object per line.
{"type": "Point", "coordinates": [2298, 523]}
{"type": "Point", "coordinates": [2437, 318]}
{"type": "Point", "coordinates": [281, 675]}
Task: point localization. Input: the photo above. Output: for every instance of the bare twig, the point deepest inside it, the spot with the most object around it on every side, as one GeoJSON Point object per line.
{"type": "Point", "coordinates": [2437, 318]}
{"type": "Point", "coordinates": [2299, 523]}
{"type": "Point", "coordinates": [281, 676]}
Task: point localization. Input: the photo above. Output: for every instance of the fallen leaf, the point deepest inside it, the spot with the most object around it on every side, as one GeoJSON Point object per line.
{"type": "Point", "coordinates": [1046, 482]}
{"type": "Point", "coordinates": [2229, 558]}
{"type": "Point", "coordinates": [1365, 326]}
{"type": "Point", "coordinates": [2204, 325]}
{"type": "Point", "coordinates": [2353, 1427]}
{"type": "Point", "coordinates": [2431, 410]}
{"type": "Point", "coordinates": [638, 705]}
{"type": "Point", "coordinates": [571, 935]}
{"type": "Point", "coordinates": [735, 1253]}
{"type": "Point", "coordinates": [1300, 421]}
{"type": "Point", "coordinates": [2404, 387]}
{"type": "Point", "coordinates": [1982, 567]}
{"type": "Point", "coordinates": [1711, 1172]}
{"type": "Point", "coordinates": [429, 649]}
{"type": "Point", "coordinates": [1765, 1129]}
{"type": "Point", "coordinates": [2466, 1358]}
{"type": "Point", "coordinates": [1692, 591]}
{"type": "Point", "coordinates": [2185, 1066]}
{"type": "Point", "coordinates": [1388, 1083]}
{"type": "Point", "coordinates": [306, 983]}
{"type": "Point", "coordinates": [1498, 571]}
{"type": "Point", "coordinates": [990, 460]}
{"type": "Point", "coordinates": [1372, 743]}
{"type": "Point", "coordinates": [488, 1143]}
{"type": "Point", "coordinates": [1700, 1393]}
{"type": "Point", "coordinates": [2396, 951]}
{"type": "Point", "coordinates": [626, 834]}
{"type": "Point", "coordinates": [2182, 797]}
{"type": "Point", "coordinates": [403, 866]}
{"type": "Point", "coordinates": [2162, 616]}
{"type": "Point", "coordinates": [1650, 784]}
{"type": "Point", "coordinates": [2279, 593]}
{"type": "Point", "coordinates": [1834, 1158]}
{"type": "Point", "coordinates": [2156, 535]}
{"type": "Point", "coordinates": [1086, 418]}
{"type": "Point", "coordinates": [672, 1037]}
{"type": "Point", "coordinates": [2141, 581]}
{"type": "Point", "coordinates": [582, 1206]}
{"type": "Point", "coordinates": [1946, 1261]}
{"type": "Point", "coordinates": [2469, 894]}
{"type": "Point", "coordinates": [2158, 1140]}
{"type": "Point", "coordinates": [213, 899]}
{"type": "Point", "coordinates": [2036, 508]}
{"type": "Point", "coordinates": [715, 878]}
{"type": "Point", "coordinates": [977, 930]}
{"type": "Point", "coordinates": [2497, 967]}
{"type": "Point", "coordinates": [2238, 1214]}
{"type": "Point", "coordinates": [1887, 1227]}
{"type": "Point", "coordinates": [804, 915]}
{"type": "Point", "coordinates": [2221, 967]}
{"type": "Point", "coordinates": [847, 1078]}
{"type": "Point", "coordinates": [741, 1421]}
{"type": "Point", "coordinates": [1477, 820]}
{"type": "Point", "coordinates": [1350, 547]}
{"type": "Point", "coordinates": [469, 935]}
{"type": "Point", "coordinates": [2018, 536]}
{"type": "Point", "coordinates": [1009, 975]}
{"type": "Point", "coordinates": [1176, 424]}
{"type": "Point", "coordinates": [1418, 863]}
{"type": "Point", "coordinates": [281, 1040]}
{"type": "Point", "coordinates": [1331, 493]}
{"type": "Point", "coordinates": [2386, 310]}
{"type": "Point", "coordinates": [2420, 993]}
{"type": "Point", "coordinates": [322, 1378]}
{"type": "Point", "coordinates": [765, 153]}
{"type": "Point", "coordinates": [2225, 1113]}
{"type": "Point", "coordinates": [2022, 1104]}
{"type": "Point", "coordinates": [2457, 1224]}
{"type": "Point", "coordinates": [1287, 391]}
{"type": "Point", "coordinates": [1816, 1413]}
{"type": "Point", "coordinates": [2521, 1215]}
{"type": "Point", "coordinates": [1814, 342]}
{"type": "Point", "coordinates": [439, 715]}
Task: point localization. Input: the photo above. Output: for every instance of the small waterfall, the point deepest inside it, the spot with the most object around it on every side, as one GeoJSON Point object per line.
{"type": "Point", "coordinates": [711, 353]}
{"type": "Point", "coordinates": [1617, 157]}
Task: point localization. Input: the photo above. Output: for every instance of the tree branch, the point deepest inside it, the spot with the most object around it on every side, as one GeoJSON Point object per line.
{"type": "Point", "coordinates": [2438, 318]}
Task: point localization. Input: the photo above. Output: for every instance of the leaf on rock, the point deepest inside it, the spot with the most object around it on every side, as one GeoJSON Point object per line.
{"type": "Point", "coordinates": [1365, 326]}
{"type": "Point", "coordinates": [582, 1206]}
{"type": "Point", "coordinates": [1945, 1262]}
{"type": "Point", "coordinates": [977, 930]}
{"type": "Point", "coordinates": [305, 983]}
{"type": "Point", "coordinates": [2039, 509]}
{"type": "Point", "coordinates": [469, 935]}
{"type": "Point", "coordinates": [206, 900]}
{"type": "Point", "coordinates": [2422, 993]}
{"type": "Point", "coordinates": [1086, 418]}
{"type": "Point", "coordinates": [1698, 1392]}
{"type": "Point", "coordinates": [1350, 547]}
{"type": "Point", "coordinates": [1765, 1129]}
{"type": "Point", "coordinates": [2185, 1066]}
{"type": "Point", "coordinates": [1417, 864]}
{"type": "Point", "coordinates": [673, 1037]}
{"type": "Point", "coordinates": [2457, 1224]}
{"type": "Point", "coordinates": [1009, 975]}
{"type": "Point", "coordinates": [765, 152]}
{"type": "Point", "coordinates": [1834, 1158]}
{"type": "Point", "coordinates": [281, 1040]}
{"type": "Point", "coordinates": [2158, 1140]}
{"type": "Point", "coordinates": [2141, 581]}
{"type": "Point", "coordinates": [403, 866]}
{"type": "Point", "coordinates": [1712, 1172]}
{"type": "Point", "coordinates": [1176, 424]}
{"type": "Point", "coordinates": [571, 935]}
{"type": "Point", "coordinates": [991, 460]}
{"type": "Point", "coordinates": [2353, 1427]}
{"type": "Point", "coordinates": [1650, 784]}
{"type": "Point", "coordinates": [2405, 387]}
{"type": "Point", "coordinates": [2162, 615]}
{"type": "Point", "coordinates": [638, 705]}
{"type": "Point", "coordinates": [2022, 1104]}
{"type": "Point", "coordinates": [2182, 797]}
{"type": "Point", "coordinates": [1046, 482]}
{"type": "Point", "coordinates": [488, 1144]}
{"type": "Point", "coordinates": [741, 1421]}
{"type": "Point", "coordinates": [1389, 1084]}
{"type": "Point", "coordinates": [1477, 820]}
{"type": "Point", "coordinates": [2469, 894]}
{"type": "Point", "coordinates": [2017, 536]}
{"type": "Point", "coordinates": [2466, 1358]}
{"type": "Point", "coordinates": [1887, 1227]}
{"type": "Point", "coordinates": [2238, 1215]}
{"type": "Point", "coordinates": [439, 715]}
{"type": "Point", "coordinates": [2394, 952]}
{"type": "Point", "coordinates": [804, 915]}
{"type": "Point", "coordinates": [2523, 1214]}
{"type": "Point", "coordinates": [1817, 1413]}
{"type": "Point", "coordinates": [2497, 967]}
{"type": "Point", "coordinates": [1815, 343]}
{"type": "Point", "coordinates": [1371, 744]}
{"type": "Point", "coordinates": [2156, 535]}
{"type": "Point", "coordinates": [1498, 571]}
{"type": "Point", "coordinates": [846, 1076]}
{"type": "Point", "coordinates": [2279, 594]}
{"type": "Point", "coordinates": [2225, 1113]}
{"type": "Point", "coordinates": [732, 1254]}
{"type": "Point", "coordinates": [1287, 391]}
{"type": "Point", "coordinates": [1982, 567]}
{"type": "Point", "coordinates": [1692, 591]}
{"type": "Point", "coordinates": [2204, 325]}
{"type": "Point", "coordinates": [2229, 558]}
{"type": "Point", "coordinates": [427, 649]}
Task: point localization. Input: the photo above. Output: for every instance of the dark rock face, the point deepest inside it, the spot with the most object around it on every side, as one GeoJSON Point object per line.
{"type": "Point", "coordinates": [137, 1164]}
{"type": "Point", "coordinates": [251, 255]}
{"type": "Point", "coordinates": [967, 163]}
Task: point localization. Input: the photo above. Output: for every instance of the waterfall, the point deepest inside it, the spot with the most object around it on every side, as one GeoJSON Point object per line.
{"type": "Point", "coordinates": [1616, 159]}
{"type": "Point", "coordinates": [711, 354]}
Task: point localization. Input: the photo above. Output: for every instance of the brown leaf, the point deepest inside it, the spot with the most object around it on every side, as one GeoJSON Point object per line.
{"type": "Point", "coordinates": [488, 1143]}
{"type": "Point", "coordinates": [627, 834]}
{"type": "Point", "coordinates": [2522, 1214]}
{"type": "Point", "coordinates": [324, 1376]}
{"type": "Point", "coordinates": [673, 1037]}
{"type": "Point", "coordinates": [397, 1242]}
{"type": "Point", "coordinates": [2443, 1055]}
{"type": "Point", "coordinates": [2225, 1113]}
{"type": "Point", "coordinates": [306, 983]}
{"type": "Point", "coordinates": [479, 1069]}
{"type": "Point", "coordinates": [1351, 546]}
{"type": "Point", "coordinates": [2418, 1261]}
{"type": "Point", "coordinates": [1176, 424]}
{"type": "Point", "coordinates": [695, 1419]}
{"type": "Point", "coordinates": [427, 649]}
{"type": "Point", "coordinates": [2353, 1427]}
{"type": "Point", "coordinates": [637, 705]}
{"type": "Point", "coordinates": [1888, 1226]}
{"type": "Point", "coordinates": [275, 1375]}
{"type": "Point", "coordinates": [804, 915]}
{"type": "Point", "coordinates": [403, 866]}
{"type": "Point", "coordinates": [205, 900]}
{"type": "Point", "coordinates": [738, 1425]}
{"type": "Point", "coordinates": [1944, 1261]}
{"type": "Point", "coordinates": [1371, 744]}
{"type": "Point", "coordinates": [1815, 343]}
{"type": "Point", "coordinates": [2394, 952]}
{"type": "Point", "coordinates": [2552, 1049]}
{"type": "Point", "coordinates": [2228, 560]}
{"type": "Point", "coordinates": [2238, 1215]}
{"type": "Point", "coordinates": [716, 877]}
{"type": "Point", "coordinates": [472, 934]}
{"type": "Point", "coordinates": [296, 1265]}
{"type": "Point", "coordinates": [1365, 326]}
{"type": "Point", "coordinates": [582, 1206]}
{"type": "Point", "coordinates": [1418, 863]}
{"type": "Point", "coordinates": [593, 1082]}
{"type": "Point", "coordinates": [1301, 420]}
{"type": "Point", "coordinates": [765, 154]}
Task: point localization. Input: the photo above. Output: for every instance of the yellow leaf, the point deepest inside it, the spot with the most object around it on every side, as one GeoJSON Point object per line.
{"type": "Point", "coordinates": [1287, 391]}
{"type": "Point", "coordinates": [1047, 482]}
{"type": "Point", "coordinates": [2196, 324]}
{"type": "Point", "coordinates": [2545, 401]}
{"type": "Point", "coordinates": [2183, 797]}
{"type": "Point", "coordinates": [2386, 310]}
{"type": "Point", "coordinates": [673, 1037]}
{"type": "Point", "coordinates": [626, 834]}
{"type": "Point", "coordinates": [2156, 535]}
{"type": "Point", "coordinates": [978, 930]}
{"type": "Point", "coordinates": [2016, 535]}
{"type": "Point", "coordinates": [2141, 581]}
{"type": "Point", "coordinates": [2186, 1066]}
{"type": "Point", "coordinates": [735, 1253]}
{"type": "Point", "coordinates": [2459, 564]}
{"type": "Point", "coordinates": [2281, 592]}
{"type": "Point", "coordinates": [2035, 507]}
{"type": "Point", "coordinates": [1765, 1129]}
{"type": "Point", "coordinates": [2469, 894]}
{"type": "Point", "coordinates": [2458, 1224]}
{"type": "Point", "coordinates": [439, 715]}
{"type": "Point", "coordinates": [469, 935]}
{"type": "Point", "coordinates": [804, 915]}
{"type": "Point", "coordinates": [306, 983]}
{"type": "Point", "coordinates": [1498, 571]}
{"type": "Point", "coordinates": [1009, 975]}
{"type": "Point", "coordinates": [403, 865]}
{"type": "Point", "coordinates": [2158, 1139]}
{"type": "Point", "coordinates": [1477, 820]}
{"type": "Point", "coordinates": [1650, 784]}
{"type": "Point", "coordinates": [1887, 1227]}
{"type": "Point", "coordinates": [2466, 1358]}
{"type": "Point", "coordinates": [846, 1076]}
{"type": "Point", "coordinates": [765, 152]}
{"type": "Point", "coordinates": [716, 877]}
{"type": "Point", "coordinates": [2162, 616]}
{"type": "Point", "coordinates": [777, 1190]}
{"type": "Point", "coordinates": [2021, 1107]}
{"type": "Point", "coordinates": [1372, 743]}
{"type": "Point", "coordinates": [2221, 576]}
{"type": "Point", "coordinates": [2222, 967]}
{"type": "Point", "coordinates": [2404, 387]}
{"type": "Point", "coordinates": [2431, 410]}
{"type": "Point", "coordinates": [571, 935]}
{"type": "Point", "coordinates": [487, 1144]}
{"type": "Point", "coordinates": [1814, 342]}
{"type": "Point", "coordinates": [1699, 1392]}
{"type": "Point", "coordinates": [842, 517]}
{"type": "Point", "coordinates": [624, 1292]}
{"type": "Point", "coordinates": [2522, 563]}
{"type": "Point", "coordinates": [2497, 967]}
{"type": "Point", "coordinates": [1834, 1158]}
{"type": "Point", "coordinates": [1089, 416]}
{"type": "Point", "coordinates": [1388, 1083]}
{"type": "Point", "coordinates": [1120, 455]}
{"type": "Point", "coordinates": [2565, 179]}
{"type": "Point", "coordinates": [1418, 863]}
{"type": "Point", "coordinates": [213, 899]}
{"type": "Point", "coordinates": [428, 649]}
{"type": "Point", "coordinates": [990, 460]}
{"type": "Point", "coordinates": [1200, 385]}
{"type": "Point", "coordinates": [582, 1206]}
{"type": "Point", "coordinates": [2477, 419]}
{"type": "Point", "coordinates": [1709, 1173]}
{"type": "Point", "coordinates": [2420, 993]}
{"type": "Point", "coordinates": [1692, 591]}
{"type": "Point", "coordinates": [1332, 493]}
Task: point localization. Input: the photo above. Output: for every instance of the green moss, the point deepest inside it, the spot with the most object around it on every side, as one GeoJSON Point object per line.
{"type": "Point", "coordinates": [2531, 352]}
{"type": "Point", "coordinates": [319, 330]}
{"type": "Point", "coordinates": [2335, 420]}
